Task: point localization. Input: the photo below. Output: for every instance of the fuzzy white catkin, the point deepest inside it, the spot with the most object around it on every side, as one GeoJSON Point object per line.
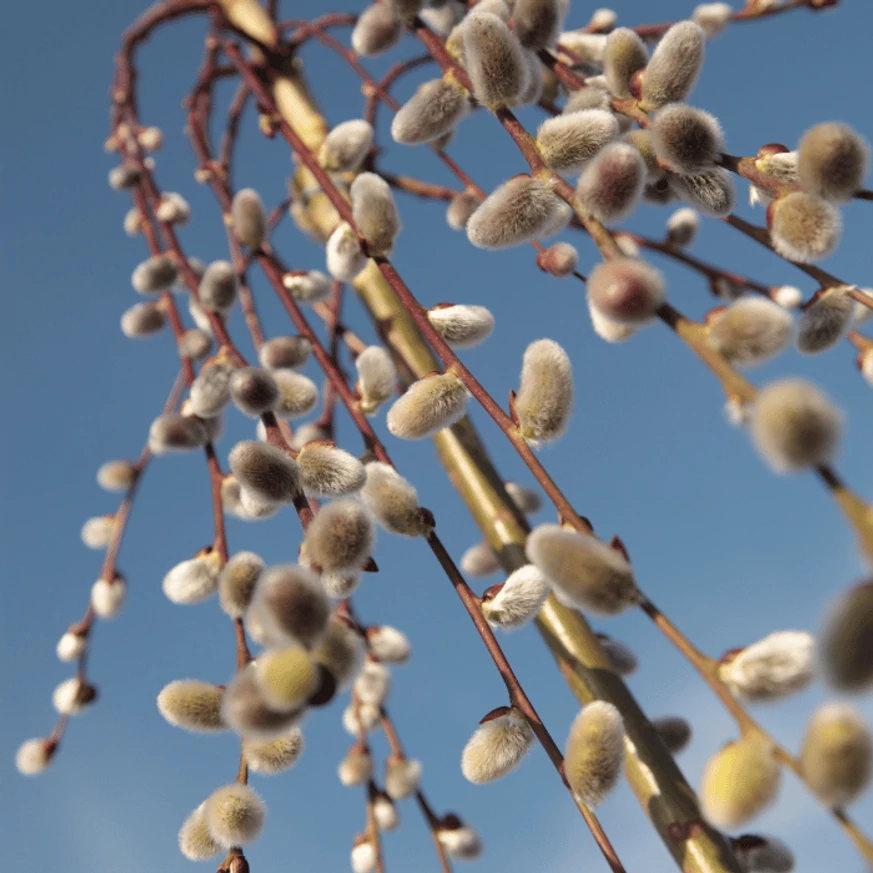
{"type": "Point", "coordinates": [517, 211]}
{"type": "Point", "coordinates": [142, 320]}
{"type": "Point", "coordinates": [71, 646]}
{"type": "Point", "coordinates": [432, 111]}
{"type": "Point", "coordinates": [291, 605]}
{"type": "Point", "coordinates": [70, 696]}
{"type": "Point", "coordinates": [341, 651]}
{"type": "Point", "coordinates": [832, 161]}
{"type": "Point", "coordinates": [428, 406]}
{"type": "Point", "coordinates": [309, 287]}
{"type": "Point", "coordinates": [32, 757]}
{"type": "Point", "coordinates": [298, 394]}
{"type": "Point", "coordinates": [607, 328]}
{"type": "Point", "coordinates": [373, 683]}
{"type": "Point", "coordinates": [712, 17]}
{"type": "Point", "coordinates": [674, 731]}
{"type": "Point", "coordinates": [268, 757]}
{"type": "Point", "coordinates": [462, 326]}
{"type": "Point", "coordinates": [341, 536]}
{"type": "Point", "coordinates": [192, 581]}
{"type": "Point", "coordinates": [544, 402]}
{"type": "Point", "coordinates": [777, 666]}
{"type": "Point", "coordinates": [363, 858]}
{"type": "Point", "coordinates": [176, 433]}
{"type": "Point", "coordinates": [795, 426]}
{"type": "Point", "coordinates": [377, 378]}
{"type": "Point", "coordinates": [611, 185]}
{"type": "Point", "coordinates": [341, 584]}
{"type": "Point", "coordinates": [248, 218]}
{"type": "Point", "coordinates": [346, 146]}
{"type": "Point", "coordinates": [368, 715]}
{"type": "Point", "coordinates": [285, 352]}
{"type": "Point", "coordinates": [375, 213]}
{"type": "Point", "coordinates": [268, 472]}
{"type": "Point", "coordinates": [825, 322]}
{"type": "Point", "coordinates": [116, 475]}
{"type": "Point", "coordinates": [584, 572]}
{"type": "Point", "coordinates": [460, 841]}
{"type": "Point", "coordinates": [195, 841]}
{"type": "Point", "coordinates": [402, 777]}
{"type": "Point", "coordinates": [758, 854]}
{"type": "Point", "coordinates": [479, 561]}
{"type": "Point", "coordinates": [173, 209]}
{"type": "Point", "coordinates": [97, 532]}
{"type": "Point", "coordinates": [107, 597]}
{"type": "Point", "coordinates": [388, 644]}
{"type": "Point", "coordinates": [675, 65]}
{"type": "Point", "coordinates": [218, 287]}
{"type": "Point", "coordinates": [494, 59]}
{"type": "Point", "coordinates": [192, 705]}
{"type": "Point", "coordinates": [682, 227]}
{"type": "Point", "coordinates": [236, 584]}
{"type": "Point", "coordinates": [687, 140]}
{"type": "Point", "coordinates": [385, 813]}
{"type": "Point", "coordinates": [846, 640]}
{"type": "Point", "coordinates": [750, 331]}
{"type": "Point", "coordinates": [326, 471]}
{"type": "Point", "coordinates": [571, 139]}
{"type": "Point", "coordinates": [594, 753]}
{"type": "Point", "coordinates": [804, 228]}
{"type": "Point", "coordinates": [394, 501]}
{"type": "Point", "coordinates": [343, 252]}
{"type": "Point", "coordinates": [234, 815]}
{"type": "Point", "coordinates": [621, 657]}
{"type": "Point", "coordinates": [519, 599]}
{"type": "Point", "coordinates": [536, 22]}
{"type": "Point", "coordinates": [378, 28]}
{"type": "Point", "coordinates": [154, 275]}
{"type": "Point", "coordinates": [356, 768]}
{"type": "Point", "coordinates": [711, 193]}
{"type": "Point", "coordinates": [526, 499]}
{"type": "Point", "coordinates": [497, 747]}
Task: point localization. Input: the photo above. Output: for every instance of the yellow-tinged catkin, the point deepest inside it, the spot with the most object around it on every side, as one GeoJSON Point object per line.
{"type": "Point", "coordinates": [287, 678]}
{"type": "Point", "coordinates": [428, 406]}
{"type": "Point", "coordinates": [341, 536]}
{"type": "Point", "coordinates": [584, 572]}
{"type": "Point", "coordinates": [837, 754]}
{"type": "Point", "coordinates": [739, 782]}
{"type": "Point", "coordinates": [803, 228]}
{"type": "Point", "coordinates": [846, 641]}
{"type": "Point", "coordinates": [497, 747]}
{"type": "Point", "coordinates": [544, 402]}
{"type": "Point", "coordinates": [192, 705]}
{"type": "Point", "coordinates": [625, 53]}
{"type": "Point", "coordinates": [236, 584]}
{"type": "Point", "coordinates": [245, 711]}
{"type": "Point", "coordinates": [345, 147]}
{"type": "Point", "coordinates": [195, 841]}
{"type": "Point", "coordinates": [268, 757]}
{"type": "Point", "coordinates": [377, 378]}
{"type": "Point", "coordinates": [594, 753]}
{"type": "Point", "coordinates": [234, 815]}
{"type": "Point", "coordinates": [394, 501]}
{"type": "Point", "coordinates": [432, 111]}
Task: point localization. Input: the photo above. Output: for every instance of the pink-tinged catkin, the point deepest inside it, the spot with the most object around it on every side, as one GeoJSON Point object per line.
{"type": "Point", "coordinates": [494, 59]}
{"type": "Point", "coordinates": [432, 111]}
{"type": "Point", "coordinates": [672, 72]}
{"type": "Point", "coordinates": [739, 782]}
{"type": "Point", "coordinates": [544, 401]}
{"type": "Point", "coordinates": [626, 291]}
{"type": "Point", "coordinates": [378, 29]}
{"type": "Point", "coordinates": [837, 754]}
{"type": "Point", "coordinates": [687, 140]}
{"type": "Point", "coordinates": [428, 406]}
{"type": "Point", "coordinates": [375, 213]}
{"type": "Point", "coordinates": [625, 54]}
{"type": "Point", "coordinates": [611, 185]}
{"type": "Point", "coordinates": [517, 211]}
{"type": "Point", "coordinates": [846, 640]}
{"type": "Point", "coordinates": [248, 218]}
{"type": "Point", "coordinates": [571, 139]}
{"type": "Point", "coordinates": [795, 426]}
{"type": "Point", "coordinates": [803, 228]}
{"type": "Point", "coordinates": [559, 260]}
{"type": "Point", "coordinates": [497, 747]}
{"type": "Point", "coordinates": [584, 572]}
{"type": "Point", "coordinates": [832, 161]}
{"type": "Point", "coordinates": [594, 753]}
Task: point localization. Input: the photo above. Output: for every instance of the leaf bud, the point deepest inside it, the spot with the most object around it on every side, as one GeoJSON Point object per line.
{"type": "Point", "coordinates": [268, 757]}
{"type": "Point", "coordinates": [428, 406]}
{"type": "Point", "coordinates": [739, 782]}
{"type": "Point", "coordinates": [268, 472]}
{"type": "Point", "coordinates": [236, 584]}
{"type": "Point", "coordinates": [585, 573]}
{"type": "Point", "coordinates": [154, 275]}
{"type": "Point", "coordinates": [142, 319]}
{"type": "Point", "coordinates": [291, 605]}
{"type": "Point", "coordinates": [837, 754]}
{"type": "Point", "coordinates": [594, 753]}
{"type": "Point", "coordinates": [432, 111]}
{"type": "Point", "coordinates": [341, 536]}
{"type": "Point", "coordinates": [494, 59]}
{"type": "Point", "coordinates": [248, 218]}
{"type": "Point", "coordinates": [517, 211]}
{"type": "Point", "coordinates": [832, 161]}
{"type": "Point", "coordinates": [675, 732]}
{"type": "Point", "coordinates": [750, 331]}
{"type": "Point", "coordinates": [193, 581]}
{"type": "Point", "coordinates": [195, 841]}
{"type": "Point", "coordinates": [498, 746]}
{"type": "Point", "coordinates": [107, 596]}
{"type": "Point", "coordinates": [378, 29]}
{"type": "Point", "coordinates": [825, 321]}
{"type": "Point", "coordinates": [625, 53]}
{"type": "Point", "coordinates": [462, 326]}
{"type": "Point", "coordinates": [795, 426]}
{"type": "Point", "coordinates": [192, 705]}
{"type": "Point", "coordinates": [711, 193]}
{"type": "Point", "coordinates": [544, 401]}
{"type": "Point", "coordinates": [675, 65]}
{"type": "Point", "coordinates": [511, 604]}
{"type": "Point", "coordinates": [344, 256]}
{"type": "Point", "coordinates": [846, 641]}
{"type": "Point", "coordinates": [479, 561]}
{"type": "Point", "coordinates": [234, 815]}
{"type": "Point", "coordinates": [777, 666]}
{"type": "Point", "coordinates": [394, 501]}
{"type": "Point", "coordinates": [626, 291]}
{"type": "Point", "coordinates": [611, 185]}
{"type": "Point", "coordinates": [402, 776]}
{"type": "Point", "coordinates": [687, 140]}
{"type": "Point", "coordinates": [375, 213]}
{"type": "Point", "coordinates": [568, 141]}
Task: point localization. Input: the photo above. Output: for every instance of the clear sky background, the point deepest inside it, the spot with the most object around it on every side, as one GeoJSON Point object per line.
{"type": "Point", "coordinates": [728, 550]}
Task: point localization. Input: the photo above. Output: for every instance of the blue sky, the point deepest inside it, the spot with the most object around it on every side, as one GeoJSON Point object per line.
{"type": "Point", "coordinates": [728, 550]}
